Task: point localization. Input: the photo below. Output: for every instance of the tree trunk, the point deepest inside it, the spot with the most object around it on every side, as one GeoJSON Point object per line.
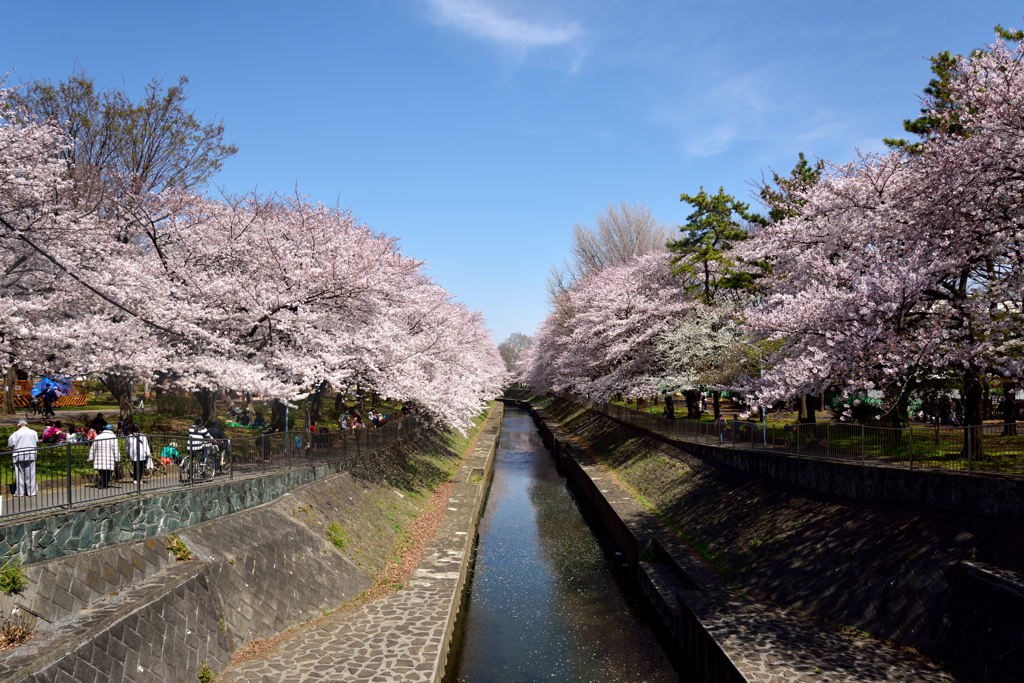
{"type": "Point", "coordinates": [986, 403]}
{"type": "Point", "coordinates": [315, 402]}
{"type": "Point", "coordinates": [716, 403]}
{"type": "Point", "coordinates": [972, 397]}
{"type": "Point", "coordinates": [119, 387]}
{"type": "Point", "coordinates": [339, 402]}
{"type": "Point", "coordinates": [247, 397]}
{"type": "Point", "coordinates": [10, 379]}
{"type": "Point", "coordinates": [670, 409]}
{"type": "Point", "coordinates": [159, 384]}
{"type": "Point", "coordinates": [806, 410]}
{"type": "Point", "coordinates": [1009, 408]}
{"type": "Point", "coordinates": [208, 403]}
{"type": "Point", "coordinates": [277, 414]}
{"type": "Point", "coordinates": [692, 404]}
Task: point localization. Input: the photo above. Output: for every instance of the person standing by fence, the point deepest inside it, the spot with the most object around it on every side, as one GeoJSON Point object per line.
{"type": "Point", "coordinates": [138, 452]}
{"type": "Point", "coordinates": [24, 442]}
{"type": "Point", "coordinates": [104, 454]}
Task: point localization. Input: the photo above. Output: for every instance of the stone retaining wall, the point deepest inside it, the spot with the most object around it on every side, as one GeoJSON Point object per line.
{"type": "Point", "coordinates": [56, 534]}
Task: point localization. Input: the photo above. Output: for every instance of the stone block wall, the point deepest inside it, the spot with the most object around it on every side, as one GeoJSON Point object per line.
{"type": "Point", "coordinates": [59, 588]}
{"type": "Point", "coordinates": [54, 535]}
{"type": "Point", "coordinates": [271, 570]}
{"type": "Point", "coordinates": [164, 629]}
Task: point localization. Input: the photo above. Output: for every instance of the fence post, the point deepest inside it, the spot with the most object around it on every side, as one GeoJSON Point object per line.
{"type": "Point", "coordinates": [231, 461]}
{"type": "Point", "coordinates": [862, 442]}
{"type": "Point", "coordinates": [911, 448]}
{"type": "Point", "coordinates": [967, 445]}
{"type": "Point", "coordinates": [67, 447]}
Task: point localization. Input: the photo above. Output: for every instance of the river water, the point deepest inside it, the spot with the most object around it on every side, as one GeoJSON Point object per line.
{"type": "Point", "coordinates": [544, 604]}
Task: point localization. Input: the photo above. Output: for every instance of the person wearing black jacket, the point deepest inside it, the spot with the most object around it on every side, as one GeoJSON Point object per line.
{"type": "Point", "coordinates": [99, 423]}
{"type": "Point", "coordinates": [218, 439]}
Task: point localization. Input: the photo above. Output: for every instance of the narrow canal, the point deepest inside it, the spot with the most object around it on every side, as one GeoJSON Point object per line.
{"type": "Point", "coordinates": [544, 603]}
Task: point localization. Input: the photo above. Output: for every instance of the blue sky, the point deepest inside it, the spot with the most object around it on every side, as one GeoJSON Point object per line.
{"type": "Point", "coordinates": [479, 131]}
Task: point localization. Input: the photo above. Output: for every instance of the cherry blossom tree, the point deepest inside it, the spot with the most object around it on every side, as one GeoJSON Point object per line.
{"type": "Point", "coordinates": [608, 341]}
{"type": "Point", "coordinates": [263, 294]}
{"type": "Point", "coordinates": [900, 264]}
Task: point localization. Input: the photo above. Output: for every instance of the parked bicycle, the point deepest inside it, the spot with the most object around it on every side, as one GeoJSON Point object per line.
{"type": "Point", "coordinates": [199, 465]}
{"type": "Point", "coordinates": [159, 468]}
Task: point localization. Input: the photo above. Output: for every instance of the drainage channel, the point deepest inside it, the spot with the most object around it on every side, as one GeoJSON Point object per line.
{"type": "Point", "coordinates": [548, 598]}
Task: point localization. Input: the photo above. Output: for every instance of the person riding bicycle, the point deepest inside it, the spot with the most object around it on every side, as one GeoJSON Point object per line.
{"type": "Point", "coordinates": [49, 398]}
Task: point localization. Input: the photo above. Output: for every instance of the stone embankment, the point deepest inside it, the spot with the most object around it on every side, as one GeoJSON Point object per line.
{"type": "Point", "coordinates": [405, 637]}
{"type": "Point", "coordinates": [916, 574]}
{"type": "Point", "coordinates": [723, 633]}
{"type": "Point", "coordinates": [136, 612]}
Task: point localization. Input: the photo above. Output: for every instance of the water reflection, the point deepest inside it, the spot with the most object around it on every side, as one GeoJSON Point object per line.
{"type": "Point", "coordinates": [544, 604]}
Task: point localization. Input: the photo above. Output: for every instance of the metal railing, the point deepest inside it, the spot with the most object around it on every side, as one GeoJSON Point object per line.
{"type": "Point", "coordinates": [66, 476]}
{"type": "Point", "coordinates": [989, 449]}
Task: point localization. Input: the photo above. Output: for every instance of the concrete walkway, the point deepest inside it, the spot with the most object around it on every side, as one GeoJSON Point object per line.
{"type": "Point", "coordinates": [404, 637]}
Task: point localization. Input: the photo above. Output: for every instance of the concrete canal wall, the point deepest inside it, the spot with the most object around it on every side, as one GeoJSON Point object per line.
{"type": "Point", "coordinates": [109, 610]}
{"type": "Point", "coordinates": [944, 584]}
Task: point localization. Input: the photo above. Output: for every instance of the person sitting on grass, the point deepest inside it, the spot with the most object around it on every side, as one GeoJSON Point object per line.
{"type": "Point", "coordinates": [74, 436]}
{"type": "Point", "coordinates": [53, 433]}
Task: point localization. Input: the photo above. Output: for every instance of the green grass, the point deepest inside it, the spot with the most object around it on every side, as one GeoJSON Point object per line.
{"type": "Point", "coordinates": [12, 577]}
{"type": "Point", "coordinates": [337, 536]}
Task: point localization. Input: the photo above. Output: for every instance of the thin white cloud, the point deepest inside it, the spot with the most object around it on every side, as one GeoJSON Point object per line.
{"type": "Point", "coordinates": [486, 21]}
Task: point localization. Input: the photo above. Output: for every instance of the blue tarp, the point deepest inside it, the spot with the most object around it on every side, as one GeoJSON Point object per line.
{"type": "Point", "coordinates": [63, 384]}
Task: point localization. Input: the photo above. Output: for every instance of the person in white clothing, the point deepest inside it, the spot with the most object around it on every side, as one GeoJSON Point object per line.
{"type": "Point", "coordinates": [104, 453]}
{"type": "Point", "coordinates": [138, 452]}
{"type": "Point", "coordinates": [23, 442]}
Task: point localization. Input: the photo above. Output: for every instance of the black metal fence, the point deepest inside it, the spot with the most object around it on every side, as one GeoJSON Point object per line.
{"type": "Point", "coordinates": [990, 448]}
{"type": "Point", "coordinates": [75, 474]}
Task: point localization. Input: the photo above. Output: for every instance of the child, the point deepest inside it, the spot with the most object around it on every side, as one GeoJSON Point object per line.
{"type": "Point", "coordinates": [170, 454]}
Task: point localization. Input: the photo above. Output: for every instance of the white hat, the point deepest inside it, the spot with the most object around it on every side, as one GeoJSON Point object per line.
{"type": "Point", "coordinates": [23, 423]}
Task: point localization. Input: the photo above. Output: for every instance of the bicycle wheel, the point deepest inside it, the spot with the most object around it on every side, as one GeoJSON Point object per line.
{"type": "Point", "coordinates": [183, 472]}
{"type": "Point", "coordinates": [204, 470]}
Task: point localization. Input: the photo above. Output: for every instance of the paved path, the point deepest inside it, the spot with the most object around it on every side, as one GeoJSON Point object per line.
{"type": "Point", "coordinates": [73, 415]}
{"type": "Point", "coordinates": [394, 639]}
{"type": "Point", "coordinates": [404, 637]}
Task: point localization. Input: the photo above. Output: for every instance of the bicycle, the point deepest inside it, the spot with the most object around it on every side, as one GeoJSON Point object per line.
{"type": "Point", "coordinates": [159, 469]}
{"type": "Point", "coordinates": [33, 409]}
{"type": "Point", "coordinates": [193, 467]}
